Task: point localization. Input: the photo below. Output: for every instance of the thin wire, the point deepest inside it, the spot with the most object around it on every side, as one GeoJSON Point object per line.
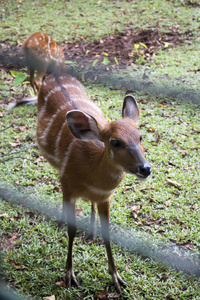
{"type": "Point", "coordinates": [127, 238]}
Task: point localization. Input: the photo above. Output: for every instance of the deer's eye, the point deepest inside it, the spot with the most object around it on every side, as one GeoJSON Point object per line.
{"type": "Point", "coordinates": [141, 138]}
{"type": "Point", "coordinates": [116, 143]}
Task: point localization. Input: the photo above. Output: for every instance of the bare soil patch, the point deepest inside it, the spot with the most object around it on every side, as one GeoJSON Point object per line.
{"type": "Point", "coordinates": [122, 46]}
{"type": "Point", "coordinates": [126, 46]}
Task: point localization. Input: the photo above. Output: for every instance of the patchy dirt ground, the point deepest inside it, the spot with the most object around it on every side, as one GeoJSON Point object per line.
{"type": "Point", "coordinates": [121, 49]}
{"type": "Point", "coordinates": [125, 46]}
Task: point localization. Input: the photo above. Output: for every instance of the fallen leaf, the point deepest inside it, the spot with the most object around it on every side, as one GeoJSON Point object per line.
{"type": "Point", "coordinates": [186, 245]}
{"type": "Point", "coordinates": [159, 221]}
{"type": "Point", "coordinates": [40, 158]}
{"type": "Point", "coordinates": [159, 207]}
{"type": "Point", "coordinates": [116, 296]}
{"type": "Point", "coordinates": [182, 135]}
{"type": "Point", "coordinates": [139, 223]}
{"type": "Point", "coordinates": [147, 188]}
{"type": "Point", "coordinates": [174, 144]}
{"type": "Point", "coordinates": [15, 144]}
{"type": "Point", "coordinates": [194, 181]}
{"type": "Point", "coordinates": [173, 183]}
{"type": "Point", "coordinates": [128, 188]}
{"type": "Point", "coordinates": [61, 283]}
{"type": "Point", "coordinates": [164, 277]}
{"type": "Point", "coordinates": [183, 122]}
{"type": "Point", "coordinates": [49, 298]}
{"type": "Point", "coordinates": [135, 210]}
{"type": "Point", "coordinates": [16, 137]}
{"type": "Point", "coordinates": [4, 216]}
{"type": "Point", "coordinates": [157, 137]}
{"type": "Point", "coordinates": [127, 269]}
{"type": "Point", "coordinates": [22, 128]}
{"type": "Point", "coordinates": [185, 152]}
{"type": "Point", "coordinates": [195, 206]}
{"type": "Point", "coordinates": [14, 264]}
{"type": "Point", "coordinates": [102, 294]}
{"type": "Point", "coordinates": [167, 203]}
{"type": "Point", "coordinates": [190, 168]}
{"type": "Point", "coordinates": [17, 217]}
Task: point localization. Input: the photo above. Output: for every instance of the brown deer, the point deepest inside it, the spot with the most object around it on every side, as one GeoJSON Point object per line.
{"type": "Point", "coordinates": [91, 154]}
{"type": "Point", "coordinates": [44, 55]}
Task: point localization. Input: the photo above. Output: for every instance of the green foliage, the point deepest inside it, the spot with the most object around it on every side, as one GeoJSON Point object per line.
{"type": "Point", "coordinates": [105, 61]}
{"type": "Point", "coordinates": [19, 79]}
{"type": "Point", "coordinates": [95, 62]}
{"type": "Point", "coordinates": [40, 247]}
{"type": "Point", "coordinates": [116, 61]}
{"type": "Point", "coordinates": [69, 62]}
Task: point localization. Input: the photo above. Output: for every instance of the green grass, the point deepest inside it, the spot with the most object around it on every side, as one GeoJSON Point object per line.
{"type": "Point", "coordinates": [170, 128]}
{"type": "Point", "coordinates": [40, 247]}
{"type": "Point", "coordinates": [76, 19]}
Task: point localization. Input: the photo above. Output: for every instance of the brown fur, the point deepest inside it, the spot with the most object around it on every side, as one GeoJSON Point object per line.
{"type": "Point", "coordinates": [91, 166]}
{"type": "Point", "coordinates": [44, 55]}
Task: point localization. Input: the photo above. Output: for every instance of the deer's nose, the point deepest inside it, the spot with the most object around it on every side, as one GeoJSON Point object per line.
{"type": "Point", "coordinates": [144, 170]}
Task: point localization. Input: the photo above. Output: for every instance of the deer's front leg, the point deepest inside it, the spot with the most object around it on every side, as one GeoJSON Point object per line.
{"type": "Point", "coordinates": [32, 79]}
{"type": "Point", "coordinates": [63, 218]}
{"type": "Point", "coordinates": [69, 277]}
{"type": "Point", "coordinates": [39, 78]}
{"type": "Point", "coordinates": [103, 210]}
{"type": "Point", "coordinates": [92, 231]}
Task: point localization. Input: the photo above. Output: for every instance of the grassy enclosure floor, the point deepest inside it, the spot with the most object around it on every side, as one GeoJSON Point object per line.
{"type": "Point", "coordinates": [165, 207]}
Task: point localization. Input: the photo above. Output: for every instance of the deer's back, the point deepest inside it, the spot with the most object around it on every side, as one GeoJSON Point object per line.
{"type": "Point", "coordinates": [40, 50]}
{"type": "Point", "coordinates": [53, 135]}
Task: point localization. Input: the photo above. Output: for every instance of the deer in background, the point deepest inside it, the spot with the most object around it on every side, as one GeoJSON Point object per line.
{"type": "Point", "coordinates": [91, 155]}
{"type": "Point", "coordinates": [44, 55]}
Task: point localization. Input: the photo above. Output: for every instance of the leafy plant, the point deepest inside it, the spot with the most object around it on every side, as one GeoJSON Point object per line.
{"type": "Point", "coordinates": [19, 77]}
{"type": "Point", "coordinates": [69, 62]}
{"type": "Point", "coordinates": [105, 61]}
{"type": "Point", "coordinates": [116, 60]}
{"type": "Point", "coordinates": [95, 62]}
{"type": "Point", "coordinates": [138, 48]}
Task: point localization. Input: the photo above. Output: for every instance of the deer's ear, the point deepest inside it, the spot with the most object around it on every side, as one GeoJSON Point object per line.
{"type": "Point", "coordinates": [82, 125]}
{"type": "Point", "coordinates": [130, 108]}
